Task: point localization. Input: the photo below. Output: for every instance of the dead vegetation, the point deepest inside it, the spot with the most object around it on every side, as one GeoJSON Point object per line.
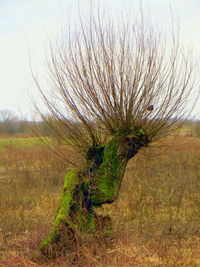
{"type": "Point", "coordinates": [158, 205]}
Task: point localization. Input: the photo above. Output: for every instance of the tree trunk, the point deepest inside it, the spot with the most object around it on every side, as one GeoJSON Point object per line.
{"type": "Point", "coordinates": [98, 183]}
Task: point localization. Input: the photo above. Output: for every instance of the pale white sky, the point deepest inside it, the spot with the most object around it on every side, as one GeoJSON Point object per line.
{"type": "Point", "coordinates": [27, 25]}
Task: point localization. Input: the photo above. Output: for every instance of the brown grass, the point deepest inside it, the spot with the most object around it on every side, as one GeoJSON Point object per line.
{"type": "Point", "coordinates": [156, 218]}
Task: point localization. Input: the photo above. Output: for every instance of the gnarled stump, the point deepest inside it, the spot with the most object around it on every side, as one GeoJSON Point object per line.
{"type": "Point", "coordinates": [98, 183]}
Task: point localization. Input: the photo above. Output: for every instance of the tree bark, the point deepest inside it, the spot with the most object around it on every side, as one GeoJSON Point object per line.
{"type": "Point", "coordinates": [98, 183]}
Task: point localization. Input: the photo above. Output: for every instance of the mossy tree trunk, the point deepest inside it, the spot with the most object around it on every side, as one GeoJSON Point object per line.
{"type": "Point", "coordinates": [98, 183]}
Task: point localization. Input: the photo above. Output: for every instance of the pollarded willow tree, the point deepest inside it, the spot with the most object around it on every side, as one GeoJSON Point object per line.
{"type": "Point", "coordinates": [116, 89]}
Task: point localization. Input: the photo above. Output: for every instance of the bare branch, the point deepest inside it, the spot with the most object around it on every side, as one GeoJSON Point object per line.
{"type": "Point", "coordinates": [107, 76]}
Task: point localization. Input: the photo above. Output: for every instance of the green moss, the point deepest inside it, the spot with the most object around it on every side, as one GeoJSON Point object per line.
{"type": "Point", "coordinates": [109, 175]}
{"type": "Point", "coordinates": [85, 185]}
{"type": "Point", "coordinates": [52, 234]}
{"type": "Point", "coordinates": [91, 223]}
{"type": "Point", "coordinates": [71, 180]}
{"type": "Point", "coordinates": [137, 130]}
{"type": "Point", "coordinates": [110, 172]}
{"type": "Point", "coordinates": [99, 183]}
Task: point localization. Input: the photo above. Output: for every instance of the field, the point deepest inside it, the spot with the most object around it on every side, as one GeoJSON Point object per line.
{"type": "Point", "coordinates": [156, 219]}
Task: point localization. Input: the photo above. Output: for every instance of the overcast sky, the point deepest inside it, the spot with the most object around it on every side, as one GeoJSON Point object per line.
{"type": "Point", "coordinates": [27, 25]}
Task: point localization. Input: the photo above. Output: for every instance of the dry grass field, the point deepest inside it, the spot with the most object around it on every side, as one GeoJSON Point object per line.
{"type": "Point", "coordinates": [156, 219]}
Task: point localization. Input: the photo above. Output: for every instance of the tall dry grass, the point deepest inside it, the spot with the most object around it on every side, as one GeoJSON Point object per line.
{"type": "Point", "coordinates": [156, 219]}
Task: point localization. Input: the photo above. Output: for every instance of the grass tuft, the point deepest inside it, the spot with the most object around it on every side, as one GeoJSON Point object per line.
{"type": "Point", "coordinates": [156, 219]}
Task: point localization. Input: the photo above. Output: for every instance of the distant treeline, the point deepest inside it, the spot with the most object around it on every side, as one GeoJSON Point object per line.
{"type": "Point", "coordinates": [10, 124]}
{"type": "Point", "coordinates": [24, 127]}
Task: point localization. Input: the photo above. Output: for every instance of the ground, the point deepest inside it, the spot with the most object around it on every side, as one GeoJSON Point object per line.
{"type": "Point", "coordinates": [156, 219]}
